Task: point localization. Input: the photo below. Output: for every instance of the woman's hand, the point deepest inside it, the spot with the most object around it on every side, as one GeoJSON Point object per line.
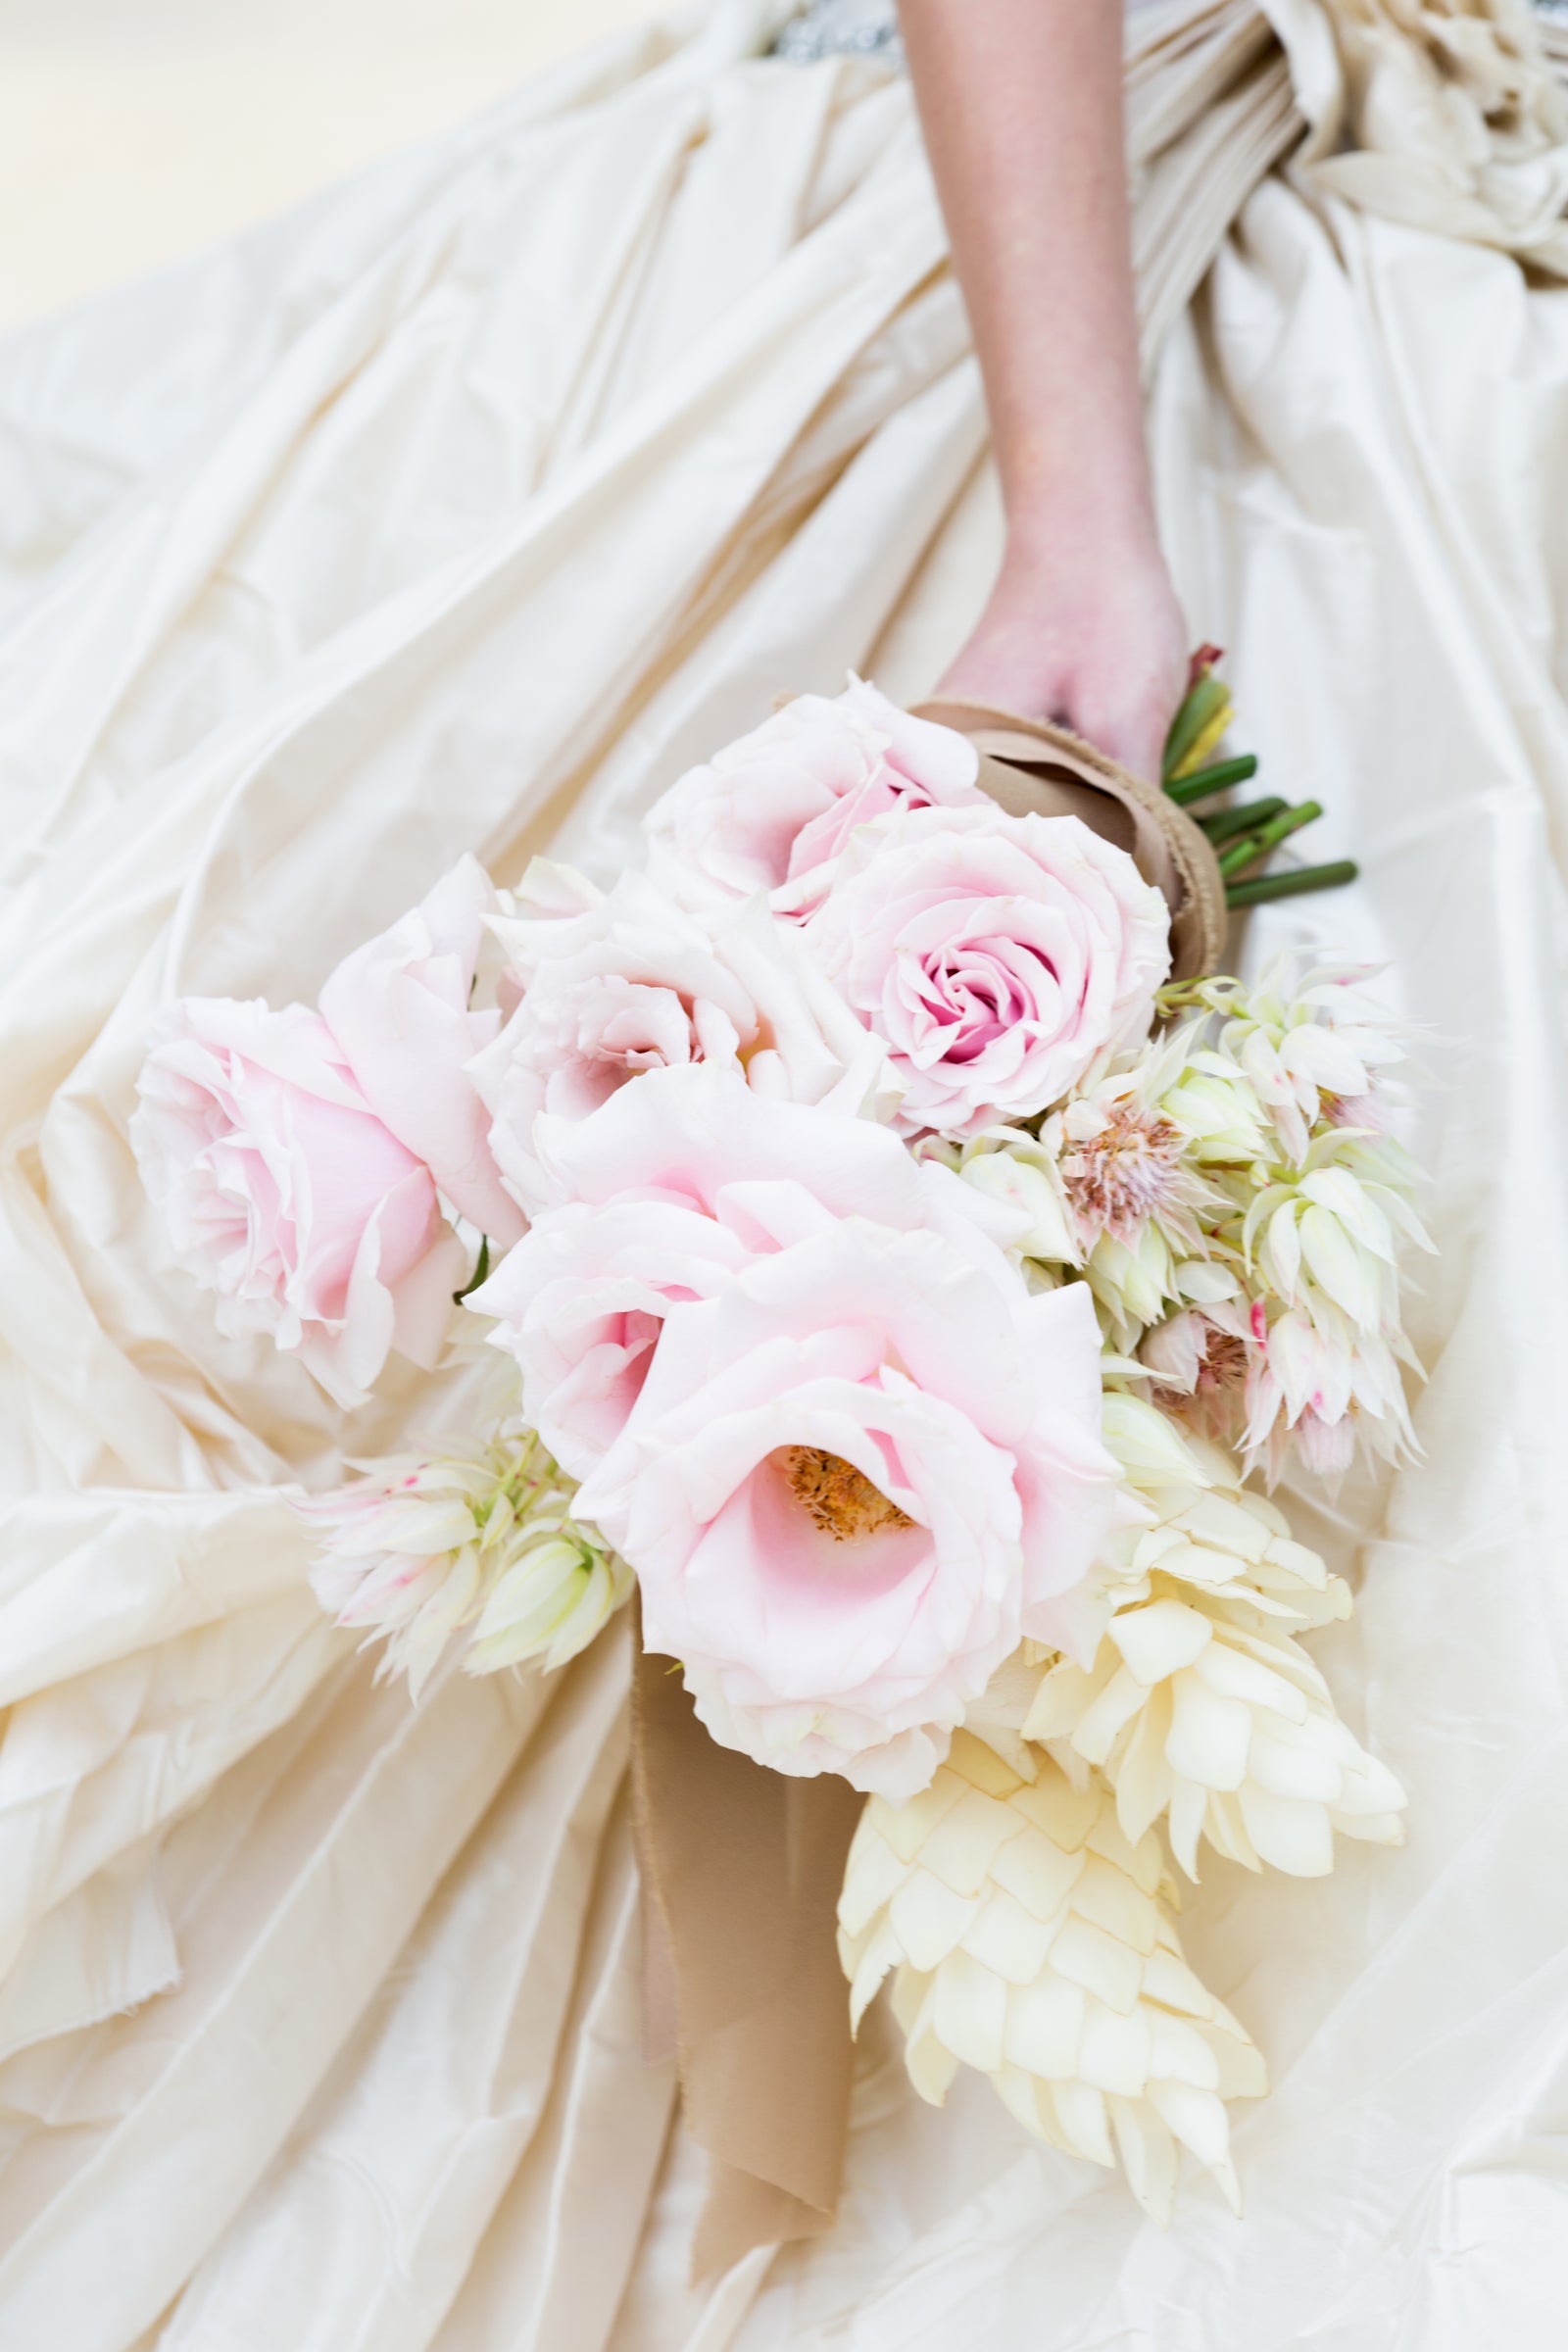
{"type": "Point", "coordinates": [1090, 637]}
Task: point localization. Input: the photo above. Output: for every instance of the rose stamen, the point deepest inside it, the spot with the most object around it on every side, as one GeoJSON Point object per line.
{"type": "Point", "coordinates": [839, 1499]}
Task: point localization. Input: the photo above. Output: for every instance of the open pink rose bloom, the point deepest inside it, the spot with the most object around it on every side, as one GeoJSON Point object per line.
{"type": "Point", "coordinates": [297, 1156]}
{"type": "Point", "coordinates": [773, 810]}
{"type": "Point", "coordinates": [287, 1196]}
{"type": "Point", "coordinates": [611, 984]}
{"type": "Point", "coordinates": [851, 1457]}
{"type": "Point", "coordinates": [997, 956]}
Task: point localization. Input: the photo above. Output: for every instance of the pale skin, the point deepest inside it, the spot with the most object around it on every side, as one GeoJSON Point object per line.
{"type": "Point", "coordinates": [1022, 105]}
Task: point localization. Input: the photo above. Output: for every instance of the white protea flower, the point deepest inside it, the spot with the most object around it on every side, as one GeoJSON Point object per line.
{"type": "Point", "coordinates": [1315, 1386]}
{"type": "Point", "coordinates": [1321, 1246]}
{"type": "Point", "coordinates": [1010, 1165]}
{"type": "Point", "coordinates": [1217, 1112]}
{"type": "Point", "coordinates": [1199, 1361]}
{"type": "Point", "coordinates": [1277, 1385]}
{"type": "Point", "coordinates": [1329, 1231]}
{"type": "Point", "coordinates": [1201, 1704]}
{"type": "Point", "coordinates": [1033, 1942]}
{"type": "Point", "coordinates": [1123, 1159]}
{"type": "Point", "coordinates": [1112, 1187]}
{"type": "Point", "coordinates": [1236, 1208]}
{"type": "Point", "coordinates": [1308, 1041]}
{"type": "Point", "coordinates": [1282, 1111]}
{"type": "Point", "coordinates": [423, 1548]}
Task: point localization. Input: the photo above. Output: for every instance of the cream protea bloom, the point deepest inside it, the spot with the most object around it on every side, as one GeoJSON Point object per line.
{"type": "Point", "coordinates": [1316, 1387]}
{"type": "Point", "coordinates": [1328, 1229]}
{"type": "Point", "coordinates": [1215, 1108]}
{"type": "Point", "coordinates": [422, 1548]}
{"type": "Point", "coordinates": [1033, 1942]}
{"type": "Point", "coordinates": [1294, 1345]}
{"type": "Point", "coordinates": [1123, 1157]}
{"type": "Point", "coordinates": [1011, 1165]}
{"type": "Point", "coordinates": [1303, 1041]}
{"type": "Point", "coordinates": [1140, 1202]}
{"type": "Point", "coordinates": [1201, 1703]}
{"type": "Point", "coordinates": [1112, 1187]}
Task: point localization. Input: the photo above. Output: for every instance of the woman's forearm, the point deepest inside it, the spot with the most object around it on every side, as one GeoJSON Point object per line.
{"type": "Point", "coordinates": [1022, 108]}
{"type": "Point", "coordinates": [1021, 104]}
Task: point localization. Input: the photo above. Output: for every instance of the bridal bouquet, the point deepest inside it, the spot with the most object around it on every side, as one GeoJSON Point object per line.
{"type": "Point", "coordinates": [908, 1267]}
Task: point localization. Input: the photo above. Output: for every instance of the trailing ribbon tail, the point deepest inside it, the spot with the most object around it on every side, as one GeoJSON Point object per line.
{"type": "Point", "coordinates": [741, 1871]}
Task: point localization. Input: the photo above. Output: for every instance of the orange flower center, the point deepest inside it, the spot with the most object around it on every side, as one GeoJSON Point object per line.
{"type": "Point", "coordinates": [843, 1501]}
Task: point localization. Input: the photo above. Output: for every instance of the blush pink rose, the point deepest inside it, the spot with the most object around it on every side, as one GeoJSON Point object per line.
{"type": "Point", "coordinates": [661, 1197]}
{"type": "Point", "coordinates": [287, 1195]}
{"type": "Point", "coordinates": [772, 811]}
{"type": "Point", "coordinates": [399, 1008]}
{"type": "Point", "coordinates": [997, 956]}
{"type": "Point", "coordinates": [579, 1304]}
{"type": "Point", "coordinates": [851, 1482]}
{"type": "Point", "coordinates": [613, 985]}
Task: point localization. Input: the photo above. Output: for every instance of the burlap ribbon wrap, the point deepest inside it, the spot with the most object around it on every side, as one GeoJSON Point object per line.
{"type": "Point", "coordinates": [741, 1867]}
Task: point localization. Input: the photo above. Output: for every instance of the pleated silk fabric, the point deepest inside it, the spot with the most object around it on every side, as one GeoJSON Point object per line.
{"type": "Point", "coordinates": [459, 511]}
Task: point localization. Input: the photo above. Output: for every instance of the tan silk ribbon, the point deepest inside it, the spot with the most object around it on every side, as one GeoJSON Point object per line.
{"type": "Point", "coordinates": [741, 1870]}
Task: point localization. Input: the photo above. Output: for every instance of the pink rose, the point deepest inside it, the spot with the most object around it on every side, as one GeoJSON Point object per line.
{"type": "Point", "coordinates": [853, 1480]}
{"type": "Point", "coordinates": [284, 1194]}
{"type": "Point", "coordinates": [998, 956]}
{"type": "Point", "coordinates": [773, 810]}
{"type": "Point", "coordinates": [611, 986]}
{"type": "Point", "coordinates": [399, 1008]}
{"type": "Point", "coordinates": [660, 1197]}
{"type": "Point", "coordinates": [580, 1300]}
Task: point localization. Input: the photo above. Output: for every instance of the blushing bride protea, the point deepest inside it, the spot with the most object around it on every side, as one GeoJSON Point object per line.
{"type": "Point", "coordinates": [1324, 1240]}
{"type": "Point", "coordinates": [1113, 1189]}
{"type": "Point", "coordinates": [1298, 1349]}
{"type": "Point", "coordinates": [1030, 1939]}
{"type": "Point", "coordinates": [483, 1539]}
{"type": "Point", "coordinates": [1308, 1041]}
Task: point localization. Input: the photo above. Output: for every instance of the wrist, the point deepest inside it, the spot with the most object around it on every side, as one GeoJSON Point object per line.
{"type": "Point", "coordinates": [1102, 499]}
{"type": "Point", "coordinates": [1114, 533]}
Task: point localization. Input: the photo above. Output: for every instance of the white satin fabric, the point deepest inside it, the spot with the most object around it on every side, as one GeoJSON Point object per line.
{"type": "Point", "coordinates": [459, 512]}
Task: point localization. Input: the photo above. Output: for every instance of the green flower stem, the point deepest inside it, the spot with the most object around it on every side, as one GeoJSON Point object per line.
{"type": "Point", "coordinates": [1292, 885]}
{"type": "Point", "coordinates": [1219, 778]}
{"type": "Point", "coordinates": [1202, 703]}
{"type": "Point", "coordinates": [1227, 823]}
{"type": "Point", "coordinates": [1267, 837]}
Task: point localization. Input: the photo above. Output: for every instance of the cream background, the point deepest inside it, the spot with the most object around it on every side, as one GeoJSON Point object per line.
{"type": "Point", "coordinates": [136, 130]}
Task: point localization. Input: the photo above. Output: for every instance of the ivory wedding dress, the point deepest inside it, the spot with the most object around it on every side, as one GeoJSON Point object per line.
{"type": "Point", "coordinates": [459, 511]}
